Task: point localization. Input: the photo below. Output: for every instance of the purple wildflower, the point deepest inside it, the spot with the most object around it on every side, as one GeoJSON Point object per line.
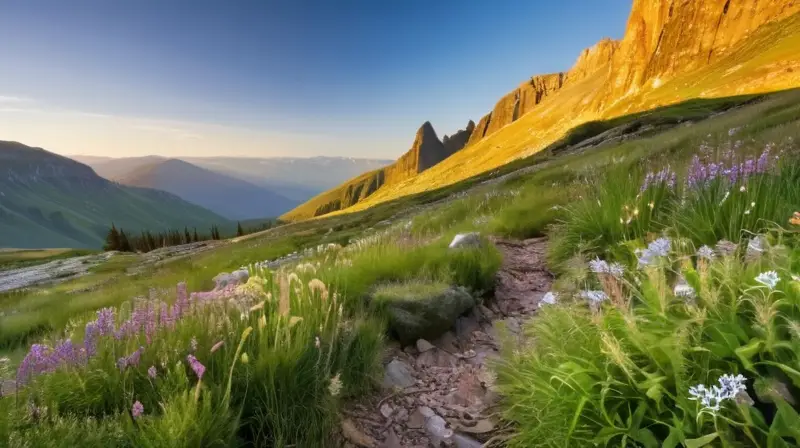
{"type": "Point", "coordinates": [90, 338]}
{"type": "Point", "coordinates": [122, 363]}
{"type": "Point", "coordinates": [152, 372]}
{"type": "Point", "coordinates": [37, 361]}
{"type": "Point", "coordinates": [137, 410]}
{"type": "Point", "coordinates": [133, 359]}
{"type": "Point", "coordinates": [105, 321]}
{"type": "Point", "coordinates": [664, 177]}
{"type": "Point", "coordinates": [199, 369]}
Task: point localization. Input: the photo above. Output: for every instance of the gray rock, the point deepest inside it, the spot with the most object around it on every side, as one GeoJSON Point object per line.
{"type": "Point", "coordinates": [462, 441]}
{"type": "Point", "coordinates": [437, 429]}
{"type": "Point", "coordinates": [413, 317]}
{"type": "Point", "coordinates": [398, 374]}
{"type": "Point", "coordinates": [392, 441]}
{"type": "Point", "coordinates": [423, 345]}
{"type": "Point", "coordinates": [223, 279]}
{"type": "Point", "coordinates": [436, 358]}
{"type": "Point", "coordinates": [472, 239]}
{"type": "Point", "coordinates": [241, 276]}
{"type": "Point", "coordinates": [386, 410]}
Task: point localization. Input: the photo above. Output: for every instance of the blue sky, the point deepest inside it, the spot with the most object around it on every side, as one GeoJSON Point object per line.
{"type": "Point", "coordinates": [272, 78]}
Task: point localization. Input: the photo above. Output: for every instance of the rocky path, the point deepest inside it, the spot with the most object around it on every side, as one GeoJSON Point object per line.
{"type": "Point", "coordinates": [441, 392]}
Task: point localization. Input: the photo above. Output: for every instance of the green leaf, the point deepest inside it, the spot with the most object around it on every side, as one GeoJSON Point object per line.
{"type": "Point", "coordinates": [645, 437]}
{"type": "Point", "coordinates": [701, 441]}
{"type": "Point", "coordinates": [655, 393]}
{"type": "Point", "coordinates": [746, 353]}
{"type": "Point", "coordinates": [786, 422]}
{"type": "Point", "coordinates": [792, 373]}
{"type": "Point", "coordinates": [674, 438]}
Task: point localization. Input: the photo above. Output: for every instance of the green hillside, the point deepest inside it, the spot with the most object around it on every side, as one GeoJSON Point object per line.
{"type": "Point", "coordinates": [50, 201]}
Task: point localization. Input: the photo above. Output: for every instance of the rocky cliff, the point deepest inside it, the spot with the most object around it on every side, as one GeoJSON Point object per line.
{"type": "Point", "coordinates": [665, 37]}
{"type": "Point", "coordinates": [426, 151]}
{"type": "Point", "coordinates": [672, 50]}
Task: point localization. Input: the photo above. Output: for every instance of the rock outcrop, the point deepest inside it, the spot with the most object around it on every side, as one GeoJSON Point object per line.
{"type": "Point", "coordinates": [457, 141]}
{"type": "Point", "coordinates": [701, 48]}
{"type": "Point", "coordinates": [426, 151]}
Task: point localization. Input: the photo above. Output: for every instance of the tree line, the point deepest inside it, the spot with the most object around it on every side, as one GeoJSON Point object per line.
{"type": "Point", "coordinates": [145, 241]}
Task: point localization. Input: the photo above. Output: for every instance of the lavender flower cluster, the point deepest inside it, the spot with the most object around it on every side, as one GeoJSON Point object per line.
{"type": "Point", "coordinates": [148, 316]}
{"type": "Point", "coordinates": [656, 249]}
{"type": "Point", "coordinates": [664, 177]}
{"type": "Point", "coordinates": [702, 173]}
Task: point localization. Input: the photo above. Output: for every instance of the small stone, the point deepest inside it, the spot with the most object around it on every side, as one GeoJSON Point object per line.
{"type": "Point", "coordinates": [398, 374]}
{"type": "Point", "coordinates": [355, 436]}
{"type": "Point", "coordinates": [436, 358]}
{"type": "Point", "coordinates": [465, 326]}
{"type": "Point", "coordinates": [447, 342]}
{"type": "Point", "coordinates": [423, 345]}
{"type": "Point", "coordinates": [401, 415]}
{"type": "Point", "coordinates": [386, 410]}
{"type": "Point", "coordinates": [437, 429]}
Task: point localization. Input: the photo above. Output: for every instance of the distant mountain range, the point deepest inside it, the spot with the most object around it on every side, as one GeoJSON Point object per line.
{"type": "Point", "coordinates": [47, 200]}
{"type": "Point", "coordinates": [222, 194]}
{"type": "Point", "coordinates": [297, 179]}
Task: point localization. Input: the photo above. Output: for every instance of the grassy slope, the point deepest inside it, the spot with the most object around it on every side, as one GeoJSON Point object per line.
{"type": "Point", "coordinates": [759, 64]}
{"type": "Point", "coordinates": [87, 213]}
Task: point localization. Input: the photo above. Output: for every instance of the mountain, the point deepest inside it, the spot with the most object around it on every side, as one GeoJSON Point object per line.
{"type": "Point", "coordinates": [113, 169]}
{"type": "Point", "coordinates": [47, 200]}
{"type": "Point", "coordinates": [230, 197]}
{"type": "Point", "coordinates": [426, 151]}
{"type": "Point", "coordinates": [672, 51]}
{"type": "Point", "coordinates": [293, 177]}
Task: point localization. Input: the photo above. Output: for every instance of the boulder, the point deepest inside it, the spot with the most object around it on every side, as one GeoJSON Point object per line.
{"type": "Point", "coordinates": [472, 239]}
{"type": "Point", "coordinates": [421, 311]}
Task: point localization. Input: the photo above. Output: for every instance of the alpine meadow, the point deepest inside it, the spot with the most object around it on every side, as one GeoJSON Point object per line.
{"type": "Point", "coordinates": [610, 257]}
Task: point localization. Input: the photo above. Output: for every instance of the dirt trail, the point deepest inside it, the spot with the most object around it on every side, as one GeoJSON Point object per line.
{"type": "Point", "coordinates": [441, 392]}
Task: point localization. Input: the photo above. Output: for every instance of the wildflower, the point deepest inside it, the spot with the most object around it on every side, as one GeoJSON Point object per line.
{"type": "Point", "coordinates": [198, 368]}
{"type": "Point", "coordinates": [598, 266]}
{"type": "Point", "coordinates": [651, 205]}
{"type": "Point", "coordinates": [217, 346]}
{"type": "Point", "coordinates": [594, 297]}
{"type": "Point", "coordinates": [151, 372]}
{"type": "Point", "coordinates": [245, 359]}
{"type": "Point", "coordinates": [769, 279]}
{"type": "Point", "coordinates": [684, 290]}
{"type": "Point", "coordinates": [712, 397]}
{"type": "Point", "coordinates": [660, 247]}
{"type": "Point", "coordinates": [706, 253]}
{"type": "Point", "coordinates": [742, 189]}
{"type": "Point", "coordinates": [335, 387]}
{"type": "Point", "coordinates": [137, 410]}
{"type": "Point", "coordinates": [550, 298]}
{"type": "Point", "coordinates": [616, 270]}
{"type": "Point", "coordinates": [122, 363]}
{"type": "Point", "coordinates": [317, 342]}
{"type": "Point", "coordinates": [193, 344]}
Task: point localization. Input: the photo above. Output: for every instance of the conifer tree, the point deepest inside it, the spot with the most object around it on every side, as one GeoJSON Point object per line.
{"type": "Point", "coordinates": [124, 244]}
{"type": "Point", "coordinates": [239, 230]}
{"type": "Point", "coordinates": [112, 239]}
{"type": "Point", "coordinates": [187, 237]}
{"type": "Point", "coordinates": [196, 239]}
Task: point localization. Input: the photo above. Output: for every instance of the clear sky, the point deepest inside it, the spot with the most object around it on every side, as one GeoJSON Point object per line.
{"type": "Point", "coordinates": [273, 78]}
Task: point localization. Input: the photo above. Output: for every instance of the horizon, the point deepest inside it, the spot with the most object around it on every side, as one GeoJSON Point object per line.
{"type": "Point", "coordinates": [131, 80]}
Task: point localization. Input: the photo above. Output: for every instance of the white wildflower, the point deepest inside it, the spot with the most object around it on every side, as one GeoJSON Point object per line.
{"type": "Point", "coordinates": [598, 266]}
{"type": "Point", "coordinates": [712, 397]}
{"type": "Point", "coordinates": [706, 253]}
{"type": "Point", "coordinates": [335, 387]}
{"type": "Point", "coordinates": [769, 279]}
{"type": "Point", "coordinates": [684, 290]}
{"type": "Point", "coordinates": [757, 245]}
{"type": "Point", "coordinates": [550, 298]}
{"type": "Point", "coordinates": [317, 342]}
{"type": "Point", "coordinates": [594, 297]}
